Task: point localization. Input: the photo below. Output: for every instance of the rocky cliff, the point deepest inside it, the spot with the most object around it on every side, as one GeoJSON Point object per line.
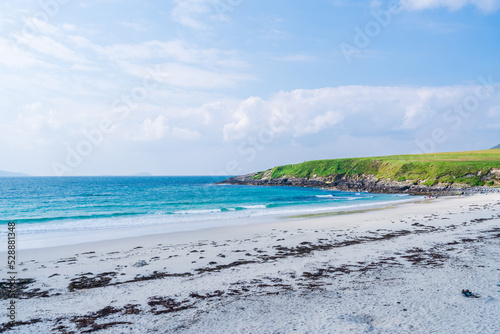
{"type": "Point", "coordinates": [358, 183]}
{"type": "Point", "coordinates": [433, 173]}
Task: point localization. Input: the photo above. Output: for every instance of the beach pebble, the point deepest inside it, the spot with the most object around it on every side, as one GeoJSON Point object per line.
{"type": "Point", "coordinates": [140, 263]}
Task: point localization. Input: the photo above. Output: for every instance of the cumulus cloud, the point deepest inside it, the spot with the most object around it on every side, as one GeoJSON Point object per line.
{"type": "Point", "coordinates": [250, 113]}
{"type": "Point", "coordinates": [318, 123]}
{"type": "Point", "coordinates": [152, 130]}
{"type": "Point", "coordinates": [321, 122]}
{"type": "Point", "coordinates": [33, 127]}
{"type": "Point", "coordinates": [183, 133]}
{"type": "Point", "coordinates": [293, 116]}
{"type": "Point", "coordinates": [356, 110]}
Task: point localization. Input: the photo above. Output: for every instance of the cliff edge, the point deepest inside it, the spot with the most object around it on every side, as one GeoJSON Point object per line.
{"type": "Point", "coordinates": [440, 173]}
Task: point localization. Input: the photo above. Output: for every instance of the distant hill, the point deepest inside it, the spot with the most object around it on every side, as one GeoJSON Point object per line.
{"type": "Point", "coordinates": [11, 174]}
{"type": "Point", "coordinates": [498, 146]}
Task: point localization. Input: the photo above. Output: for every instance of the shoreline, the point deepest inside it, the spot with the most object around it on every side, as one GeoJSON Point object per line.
{"type": "Point", "coordinates": [242, 229]}
{"type": "Point", "coordinates": [359, 272]}
{"type": "Point", "coordinates": [348, 212]}
{"type": "Point", "coordinates": [72, 238]}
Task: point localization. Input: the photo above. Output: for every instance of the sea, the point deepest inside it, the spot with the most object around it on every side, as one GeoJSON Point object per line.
{"type": "Point", "coordinates": [44, 205]}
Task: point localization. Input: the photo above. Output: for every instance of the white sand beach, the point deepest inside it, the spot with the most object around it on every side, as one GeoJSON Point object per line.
{"type": "Point", "coordinates": [397, 270]}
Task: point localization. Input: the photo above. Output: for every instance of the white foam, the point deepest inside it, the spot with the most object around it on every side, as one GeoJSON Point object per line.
{"type": "Point", "coordinates": [199, 219]}
{"type": "Point", "coordinates": [254, 206]}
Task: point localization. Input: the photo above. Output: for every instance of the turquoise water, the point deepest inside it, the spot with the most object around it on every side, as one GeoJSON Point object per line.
{"type": "Point", "coordinates": [44, 204]}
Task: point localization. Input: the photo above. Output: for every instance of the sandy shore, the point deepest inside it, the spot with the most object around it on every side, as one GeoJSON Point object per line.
{"type": "Point", "coordinates": [398, 270]}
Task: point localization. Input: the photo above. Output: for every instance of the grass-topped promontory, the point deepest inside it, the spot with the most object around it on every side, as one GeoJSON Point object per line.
{"type": "Point", "coordinates": [471, 168]}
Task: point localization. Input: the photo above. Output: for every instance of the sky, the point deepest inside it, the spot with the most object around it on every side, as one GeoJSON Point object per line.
{"type": "Point", "coordinates": [226, 87]}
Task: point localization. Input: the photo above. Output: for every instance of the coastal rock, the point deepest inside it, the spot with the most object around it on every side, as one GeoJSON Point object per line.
{"type": "Point", "coordinates": [358, 183]}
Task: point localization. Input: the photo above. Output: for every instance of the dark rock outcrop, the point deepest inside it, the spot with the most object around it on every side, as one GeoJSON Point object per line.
{"type": "Point", "coordinates": [359, 183]}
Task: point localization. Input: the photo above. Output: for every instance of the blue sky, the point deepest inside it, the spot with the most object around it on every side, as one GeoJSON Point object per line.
{"type": "Point", "coordinates": [233, 86]}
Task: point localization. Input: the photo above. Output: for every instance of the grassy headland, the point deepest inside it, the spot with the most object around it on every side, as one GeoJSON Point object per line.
{"type": "Point", "coordinates": [471, 168]}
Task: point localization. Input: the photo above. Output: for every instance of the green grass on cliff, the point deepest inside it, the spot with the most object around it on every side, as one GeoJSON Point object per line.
{"type": "Point", "coordinates": [428, 169]}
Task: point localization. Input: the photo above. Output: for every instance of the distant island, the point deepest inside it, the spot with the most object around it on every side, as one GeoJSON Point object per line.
{"type": "Point", "coordinates": [11, 174]}
{"type": "Point", "coordinates": [444, 173]}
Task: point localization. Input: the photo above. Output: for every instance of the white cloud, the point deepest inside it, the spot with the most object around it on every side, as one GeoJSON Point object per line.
{"type": "Point", "coordinates": [34, 26]}
{"type": "Point", "coordinates": [299, 116]}
{"type": "Point", "coordinates": [186, 134]}
{"type": "Point", "coordinates": [198, 14]}
{"type": "Point", "coordinates": [188, 12]}
{"type": "Point", "coordinates": [494, 118]}
{"type": "Point", "coordinates": [48, 46]}
{"type": "Point", "coordinates": [242, 123]}
{"type": "Point", "coordinates": [357, 110]}
{"type": "Point", "coordinates": [33, 106]}
{"type": "Point", "coordinates": [186, 76]}
{"type": "Point", "coordinates": [80, 67]}
{"type": "Point", "coordinates": [484, 5]}
{"type": "Point", "coordinates": [153, 130]}
{"type": "Point", "coordinates": [315, 122]}
{"type": "Point", "coordinates": [182, 64]}
{"type": "Point", "coordinates": [34, 126]}
{"type": "Point", "coordinates": [68, 27]}
{"type": "Point", "coordinates": [175, 50]}
{"type": "Point", "coordinates": [13, 56]}
{"type": "Point", "coordinates": [416, 113]}
{"type": "Point", "coordinates": [321, 122]}
{"type": "Point", "coordinates": [81, 42]}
